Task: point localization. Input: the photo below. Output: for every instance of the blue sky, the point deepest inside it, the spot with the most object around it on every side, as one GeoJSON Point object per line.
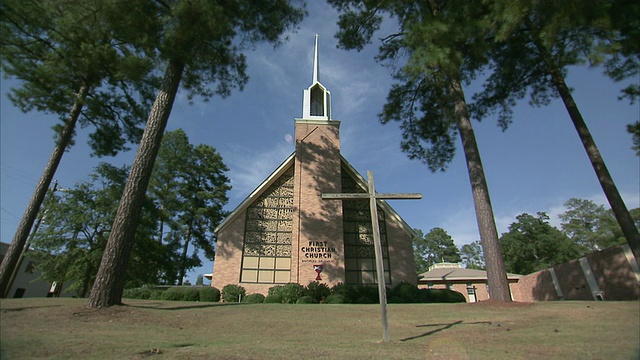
{"type": "Point", "coordinates": [536, 165]}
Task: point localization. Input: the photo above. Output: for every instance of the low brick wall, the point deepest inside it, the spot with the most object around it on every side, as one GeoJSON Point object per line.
{"type": "Point", "coordinates": [612, 278]}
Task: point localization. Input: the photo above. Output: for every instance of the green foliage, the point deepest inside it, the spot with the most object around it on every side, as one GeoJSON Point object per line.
{"type": "Point", "coordinates": [532, 244]}
{"type": "Point", "coordinates": [437, 246]}
{"type": "Point", "coordinates": [347, 292]}
{"type": "Point", "coordinates": [335, 299]}
{"type": "Point", "coordinates": [71, 241]}
{"type": "Point", "coordinates": [306, 300]}
{"type": "Point", "coordinates": [318, 291]}
{"type": "Point", "coordinates": [233, 293]}
{"type": "Point", "coordinates": [436, 42]}
{"type": "Point", "coordinates": [634, 130]}
{"type": "Point", "coordinates": [209, 294]}
{"type": "Point", "coordinates": [472, 256]}
{"type": "Point", "coordinates": [591, 226]}
{"type": "Point", "coordinates": [200, 44]}
{"type": "Point", "coordinates": [291, 292]}
{"type": "Point", "coordinates": [367, 294]}
{"type": "Point", "coordinates": [189, 188]}
{"type": "Point", "coordinates": [173, 294]}
{"type": "Point", "coordinates": [255, 298]}
{"type": "Point", "coordinates": [273, 299]}
{"type": "Point", "coordinates": [275, 290]}
{"type": "Point", "coordinates": [56, 48]}
{"type": "Point", "coordinates": [441, 46]}
{"type": "Point", "coordinates": [144, 293]}
{"type": "Point", "coordinates": [404, 293]}
{"type": "Point", "coordinates": [557, 35]}
{"type": "Point", "coordinates": [441, 296]}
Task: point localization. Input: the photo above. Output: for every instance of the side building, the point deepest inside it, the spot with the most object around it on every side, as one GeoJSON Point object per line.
{"type": "Point", "coordinates": [26, 282]}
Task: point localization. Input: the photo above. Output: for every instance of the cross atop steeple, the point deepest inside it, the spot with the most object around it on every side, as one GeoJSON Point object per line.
{"type": "Point", "coordinates": [316, 105]}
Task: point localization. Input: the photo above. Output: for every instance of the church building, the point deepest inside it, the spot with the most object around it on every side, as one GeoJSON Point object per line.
{"type": "Point", "coordinates": [284, 232]}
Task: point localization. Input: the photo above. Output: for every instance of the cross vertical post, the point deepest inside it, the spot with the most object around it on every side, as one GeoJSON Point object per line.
{"type": "Point", "coordinates": [375, 228]}
{"type": "Point", "coordinates": [382, 289]}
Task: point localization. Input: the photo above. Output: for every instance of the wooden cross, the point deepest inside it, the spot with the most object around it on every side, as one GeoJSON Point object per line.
{"type": "Point", "coordinates": [373, 196]}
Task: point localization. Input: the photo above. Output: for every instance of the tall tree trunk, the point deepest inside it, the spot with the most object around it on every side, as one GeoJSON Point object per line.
{"type": "Point", "coordinates": [183, 258]}
{"type": "Point", "coordinates": [616, 202]}
{"type": "Point", "coordinates": [109, 284]}
{"type": "Point", "coordinates": [86, 279]}
{"type": "Point", "coordinates": [496, 273]}
{"type": "Point", "coordinates": [27, 244]}
{"type": "Point", "coordinates": [20, 238]}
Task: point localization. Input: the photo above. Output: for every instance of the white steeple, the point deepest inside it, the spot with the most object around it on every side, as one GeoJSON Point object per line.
{"type": "Point", "coordinates": [316, 64]}
{"type": "Point", "coordinates": [316, 104]}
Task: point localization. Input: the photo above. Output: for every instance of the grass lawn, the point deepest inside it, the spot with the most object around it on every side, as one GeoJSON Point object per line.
{"type": "Point", "coordinates": [48, 328]}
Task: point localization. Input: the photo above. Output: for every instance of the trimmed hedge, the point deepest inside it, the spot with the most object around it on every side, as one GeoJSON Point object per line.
{"type": "Point", "coordinates": [306, 300]}
{"type": "Point", "coordinates": [291, 292]}
{"type": "Point", "coordinates": [209, 294]}
{"type": "Point", "coordinates": [318, 291]}
{"type": "Point", "coordinates": [255, 298]}
{"type": "Point", "coordinates": [441, 296]}
{"type": "Point", "coordinates": [144, 293]}
{"type": "Point", "coordinates": [273, 299]}
{"type": "Point", "coordinates": [233, 293]}
{"type": "Point", "coordinates": [181, 294]}
{"type": "Point", "coordinates": [334, 299]}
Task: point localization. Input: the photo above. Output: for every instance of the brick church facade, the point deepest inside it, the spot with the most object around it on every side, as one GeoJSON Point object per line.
{"type": "Point", "coordinates": [284, 232]}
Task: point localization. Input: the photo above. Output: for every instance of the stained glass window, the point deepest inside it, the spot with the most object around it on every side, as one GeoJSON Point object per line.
{"type": "Point", "coordinates": [359, 251]}
{"type": "Point", "coordinates": [266, 255]}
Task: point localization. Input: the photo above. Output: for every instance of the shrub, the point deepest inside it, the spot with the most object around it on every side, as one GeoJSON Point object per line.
{"type": "Point", "coordinates": [347, 292]}
{"type": "Point", "coordinates": [255, 298]}
{"type": "Point", "coordinates": [317, 290]}
{"type": "Point", "coordinates": [291, 292]}
{"type": "Point", "coordinates": [365, 294]}
{"type": "Point", "coordinates": [441, 296]}
{"type": "Point", "coordinates": [405, 293]}
{"type": "Point", "coordinates": [209, 294]}
{"type": "Point", "coordinates": [275, 290]}
{"type": "Point", "coordinates": [233, 293]}
{"type": "Point", "coordinates": [334, 299]}
{"type": "Point", "coordinates": [190, 294]}
{"type": "Point", "coordinates": [395, 300]}
{"type": "Point", "coordinates": [273, 299]}
{"type": "Point", "coordinates": [306, 300]}
{"type": "Point", "coordinates": [172, 294]}
{"type": "Point", "coordinates": [144, 293]}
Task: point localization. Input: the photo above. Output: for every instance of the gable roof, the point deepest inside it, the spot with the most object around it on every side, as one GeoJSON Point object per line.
{"type": "Point", "coordinates": [275, 175]}
{"type": "Point", "coordinates": [457, 274]}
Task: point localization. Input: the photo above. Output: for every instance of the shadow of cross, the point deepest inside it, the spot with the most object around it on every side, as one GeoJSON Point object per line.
{"type": "Point", "coordinates": [373, 196]}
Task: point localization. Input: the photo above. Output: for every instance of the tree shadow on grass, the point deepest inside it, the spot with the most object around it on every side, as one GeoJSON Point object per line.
{"type": "Point", "coordinates": [442, 328]}
{"type": "Point", "coordinates": [28, 308]}
{"type": "Point", "coordinates": [163, 306]}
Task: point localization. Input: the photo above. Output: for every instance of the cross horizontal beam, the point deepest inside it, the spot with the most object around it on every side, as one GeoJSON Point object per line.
{"type": "Point", "coordinates": [367, 196]}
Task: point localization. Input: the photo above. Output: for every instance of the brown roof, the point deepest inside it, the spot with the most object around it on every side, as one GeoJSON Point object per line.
{"type": "Point", "coordinates": [457, 274]}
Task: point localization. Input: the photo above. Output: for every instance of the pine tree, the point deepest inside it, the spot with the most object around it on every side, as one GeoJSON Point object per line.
{"type": "Point", "coordinates": [190, 186]}
{"type": "Point", "coordinates": [443, 46]}
{"type": "Point", "coordinates": [198, 40]}
{"type": "Point", "coordinates": [536, 42]}
{"type": "Point", "coordinates": [71, 63]}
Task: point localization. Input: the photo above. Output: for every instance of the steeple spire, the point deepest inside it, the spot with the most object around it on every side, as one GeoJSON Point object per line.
{"type": "Point", "coordinates": [316, 104]}
{"type": "Point", "coordinates": [316, 64]}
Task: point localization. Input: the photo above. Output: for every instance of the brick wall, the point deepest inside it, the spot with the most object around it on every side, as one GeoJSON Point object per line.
{"type": "Point", "coordinates": [613, 274]}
